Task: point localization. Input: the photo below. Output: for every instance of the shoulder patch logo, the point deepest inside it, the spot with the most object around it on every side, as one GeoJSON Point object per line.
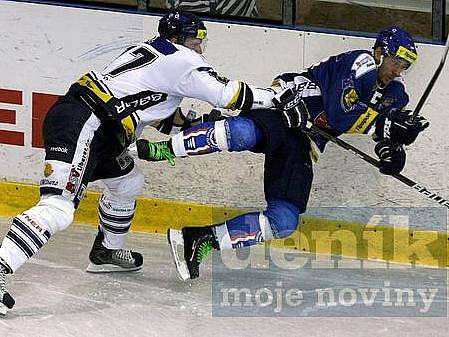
{"type": "Point", "coordinates": [219, 78]}
{"type": "Point", "coordinates": [214, 74]}
{"type": "Point", "coordinates": [363, 64]}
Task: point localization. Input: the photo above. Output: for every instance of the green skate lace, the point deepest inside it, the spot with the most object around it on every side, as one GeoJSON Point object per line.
{"type": "Point", "coordinates": [203, 251]}
{"type": "Point", "coordinates": [160, 151]}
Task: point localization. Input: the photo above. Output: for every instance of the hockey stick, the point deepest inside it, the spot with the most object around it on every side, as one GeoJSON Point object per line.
{"type": "Point", "coordinates": [434, 78]}
{"type": "Point", "coordinates": [366, 157]}
{"type": "Point", "coordinates": [412, 184]}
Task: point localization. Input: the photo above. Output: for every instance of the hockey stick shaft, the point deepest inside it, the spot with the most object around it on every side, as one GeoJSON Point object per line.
{"type": "Point", "coordinates": [429, 87]}
{"type": "Point", "coordinates": [366, 157]}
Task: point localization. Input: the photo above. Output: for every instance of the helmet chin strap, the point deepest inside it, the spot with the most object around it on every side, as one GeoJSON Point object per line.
{"type": "Point", "coordinates": [381, 61]}
{"type": "Point", "coordinates": [180, 39]}
{"type": "Point", "coordinates": [379, 84]}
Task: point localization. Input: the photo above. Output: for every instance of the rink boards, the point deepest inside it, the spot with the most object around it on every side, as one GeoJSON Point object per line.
{"type": "Point", "coordinates": [323, 237]}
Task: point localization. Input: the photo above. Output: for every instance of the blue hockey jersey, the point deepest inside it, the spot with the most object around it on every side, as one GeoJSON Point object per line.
{"type": "Point", "coordinates": [343, 95]}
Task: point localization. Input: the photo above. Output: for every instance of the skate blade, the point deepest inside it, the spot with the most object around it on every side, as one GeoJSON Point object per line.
{"type": "Point", "coordinates": [176, 242]}
{"type": "Point", "coordinates": [2, 309]}
{"type": "Point", "coordinates": [108, 268]}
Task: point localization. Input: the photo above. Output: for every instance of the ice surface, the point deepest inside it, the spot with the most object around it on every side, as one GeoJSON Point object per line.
{"type": "Point", "coordinates": [56, 297]}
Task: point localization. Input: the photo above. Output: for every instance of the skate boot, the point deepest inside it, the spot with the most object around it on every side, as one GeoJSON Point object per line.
{"type": "Point", "coordinates": [155, 151]}
{"type": "Point", "coordinates": [6, 300]}
{"type": "Point", "coordinates": [104, 260]}
{"type": "Point", "coordinates": [189, 247]}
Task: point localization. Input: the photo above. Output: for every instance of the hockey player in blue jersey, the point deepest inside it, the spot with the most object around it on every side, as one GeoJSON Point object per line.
{"type": "Point", "coordinates": [354, 92]}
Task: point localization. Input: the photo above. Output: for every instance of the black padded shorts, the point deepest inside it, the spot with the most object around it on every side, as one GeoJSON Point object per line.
{"type": "Point", "coordinates": [288, 167]}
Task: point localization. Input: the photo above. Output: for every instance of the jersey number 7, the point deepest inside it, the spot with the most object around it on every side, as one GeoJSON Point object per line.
{"type": "Point", "coordinates": [142, 57]}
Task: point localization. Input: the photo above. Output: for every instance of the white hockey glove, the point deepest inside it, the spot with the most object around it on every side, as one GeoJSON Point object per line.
{"type": "Point", "coordinates": [293, 109]}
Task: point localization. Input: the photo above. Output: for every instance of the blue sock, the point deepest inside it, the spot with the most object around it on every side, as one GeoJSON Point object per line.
{"type": "Point", "coordinates": [279, 220]}
{"type": "Point", "coordinates": [233, 134]}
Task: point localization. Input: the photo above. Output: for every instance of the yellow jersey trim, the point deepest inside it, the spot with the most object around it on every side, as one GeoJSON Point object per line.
{"type": "Point", "coordinates": [364, 121]}
{"type": "Point", "coordinates": [233, 101]}
{"type": "Point", "coordinates": [90, 83]}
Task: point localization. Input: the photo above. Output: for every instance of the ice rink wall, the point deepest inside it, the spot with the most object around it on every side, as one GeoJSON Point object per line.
{"type": "Point", "coordinates": [45, 48]}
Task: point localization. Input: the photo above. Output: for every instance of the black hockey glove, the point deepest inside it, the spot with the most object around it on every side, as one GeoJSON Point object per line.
{"type": "Point", "coordinates": [178, 122]}
{"type": "Point", "coordinates": [213, 116]}
{"type": "Point", "coordinates": [124, 130]}
{"type": "Point", "coordinates": [127, 136]}
{"type": "Point", "coordinates": [175, 123]}
{"type": "Point", "coordinates": [391, 157]}
{"type": "Point", "coordinates": [397, 126]}
{"type": "Point", "coordinates": [294, 111]}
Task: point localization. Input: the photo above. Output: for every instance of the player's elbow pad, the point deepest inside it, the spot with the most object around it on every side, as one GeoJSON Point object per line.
{"type": "Point", "coordinates": [245, 97]}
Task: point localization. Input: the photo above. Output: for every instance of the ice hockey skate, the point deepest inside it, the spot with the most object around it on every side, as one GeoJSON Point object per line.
{"type": "Point", "coordinates": [6, 300]}
{"type": "Point", "coordinates": [104, 260]}
{"type": "Point", "coordinates": [189, 247]}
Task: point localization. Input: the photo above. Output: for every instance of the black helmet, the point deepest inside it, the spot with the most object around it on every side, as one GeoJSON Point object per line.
{"type": "Point", "coordinates": [181, 24]}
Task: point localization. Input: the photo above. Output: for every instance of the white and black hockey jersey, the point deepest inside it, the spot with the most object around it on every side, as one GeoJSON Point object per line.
{"type": "Point", "coordinates": [150, 80]}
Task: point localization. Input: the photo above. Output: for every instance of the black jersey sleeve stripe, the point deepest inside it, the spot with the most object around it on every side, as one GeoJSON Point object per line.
{"type": "Point", "coordinates": [244, 98]}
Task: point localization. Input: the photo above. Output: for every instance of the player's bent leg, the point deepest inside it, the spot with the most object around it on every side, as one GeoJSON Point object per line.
{"type": "Point", "coordinates": [242, 133]}
{"type": "Point", "coordinates": [232, 134]}
{"type": "Point", "coordinates": [283, 216]}
{"type": "Point", "coordinates": [279, 220]}
{"type": "Point", "coordinates": [115, 212]}
{"type": "Point", "coordinates": [191, 245]}
{"type": "Point", "coordinates": [28, 233]}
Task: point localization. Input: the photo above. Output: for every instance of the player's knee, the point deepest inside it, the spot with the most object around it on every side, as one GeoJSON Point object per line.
{"type": "Point", "coordinates": [133, 184]}
{"type": "Point", "coordinates": [283, 216]}
{"type": "Point", "coordinates": [126, 187]}
{"type": "Point", "coordinates": [55, 211]}
{"type": "Point", "coordinates": [242, 133]}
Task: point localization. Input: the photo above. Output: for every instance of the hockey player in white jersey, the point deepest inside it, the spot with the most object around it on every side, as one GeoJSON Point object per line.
{"type": "Point", "coordinates": [88, 130]}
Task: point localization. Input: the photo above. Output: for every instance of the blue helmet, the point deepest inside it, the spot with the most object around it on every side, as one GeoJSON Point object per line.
{"type": "Point", "coordinates": [181, 24]}
{"type": "Point", "coordinates": [397, 43]}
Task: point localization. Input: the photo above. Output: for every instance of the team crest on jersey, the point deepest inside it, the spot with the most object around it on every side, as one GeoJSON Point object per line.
{"type": "Point", "coordinates": [350, 98]}
{"type": "Point", "coordinates": [48, 170]}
